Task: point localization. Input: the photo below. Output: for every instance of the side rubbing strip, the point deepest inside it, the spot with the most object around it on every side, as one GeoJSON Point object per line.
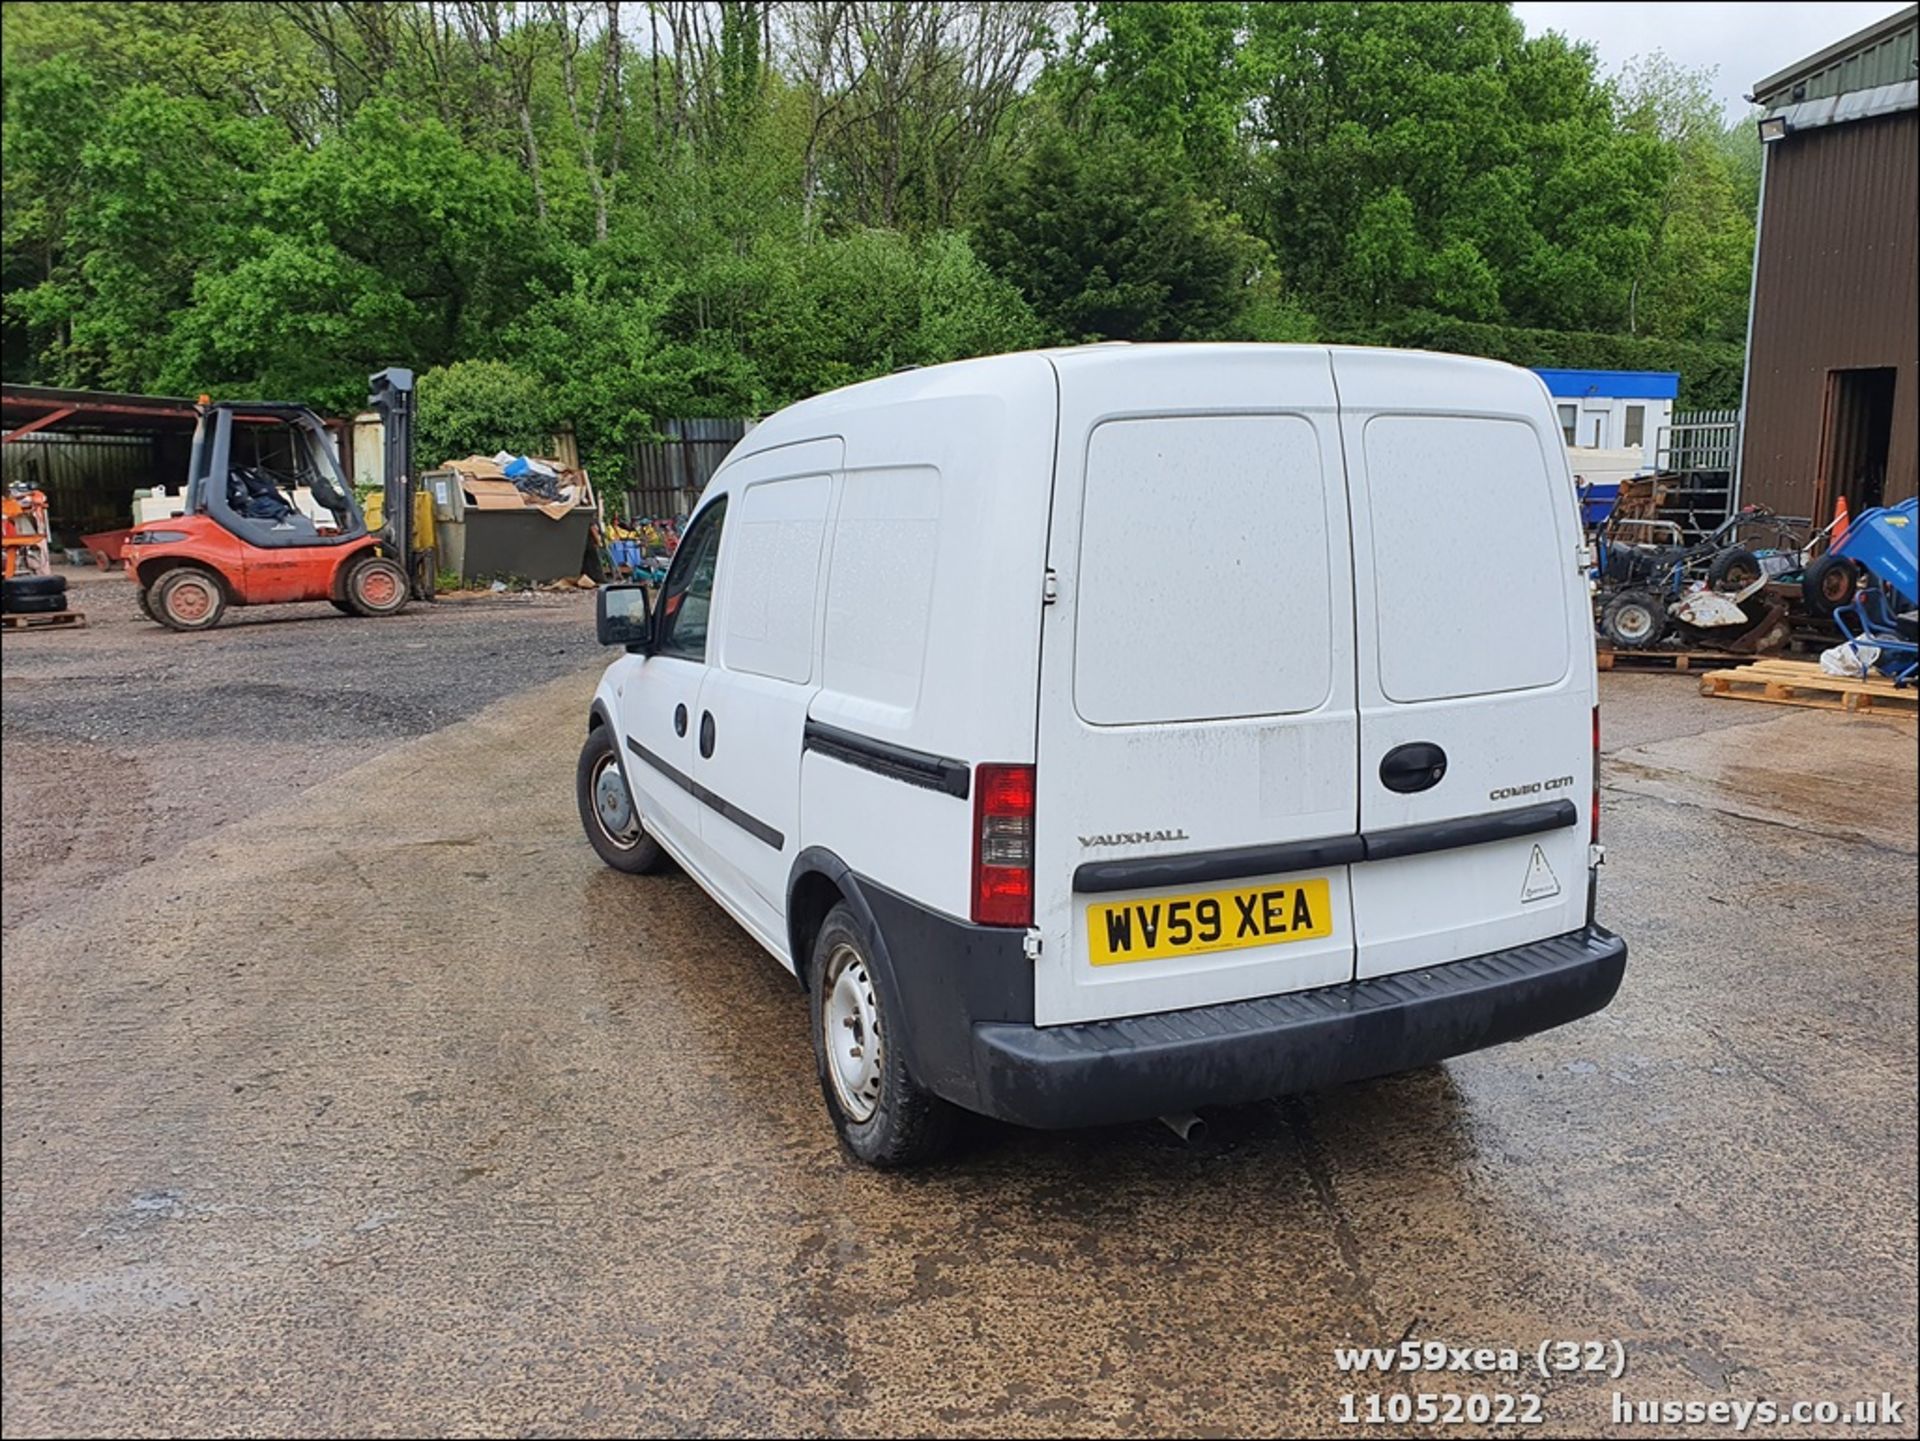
{"type": "Point", "coordinates": [1096, 877]}
{"type": "Point", "coordinates": [678, 777]}
{"type": "Point", "coordinates": [747, 821]}
{"type": "Point", "coordinates": [1470, 830]}
{"type": "Point", "coordinates": [916, 768]}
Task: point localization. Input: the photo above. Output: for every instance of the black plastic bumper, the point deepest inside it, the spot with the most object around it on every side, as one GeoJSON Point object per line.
{"type": "Point", "coordinates": [1140, 1066]}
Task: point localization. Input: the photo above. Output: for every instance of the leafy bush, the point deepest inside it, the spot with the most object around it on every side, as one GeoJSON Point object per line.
{"type": "Point", "coordinates": [475, 407]}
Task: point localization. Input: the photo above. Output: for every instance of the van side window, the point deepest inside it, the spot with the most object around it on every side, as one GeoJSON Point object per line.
{"type": "Point", "coordinates": [687, 598]}
{"type": "Point", "coordinates": [773, 577]}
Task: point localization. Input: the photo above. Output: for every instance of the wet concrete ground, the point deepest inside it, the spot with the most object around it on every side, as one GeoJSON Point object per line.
{"type": "Point", "coordinates": [386, 1108]}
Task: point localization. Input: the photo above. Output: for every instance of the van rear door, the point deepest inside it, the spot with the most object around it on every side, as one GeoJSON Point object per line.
{"type": "Point", "coordinates": [1196, 790]}
{"type": "Point", "coordinates": [1476, 679]}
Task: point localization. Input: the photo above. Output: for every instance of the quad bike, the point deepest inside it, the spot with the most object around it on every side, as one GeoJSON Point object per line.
{"type": "Point", "coordinates": [243, 540]}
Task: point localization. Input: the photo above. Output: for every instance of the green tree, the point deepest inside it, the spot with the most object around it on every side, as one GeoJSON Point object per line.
{"type": "Point", "coordinates": [388, 243]}
{"type": "Point", "coordinates": [481, 406]}
{"type": "Point", "coordinates": [1106, 243]}
{"type": "Point", "coordinates": [1692, 282]}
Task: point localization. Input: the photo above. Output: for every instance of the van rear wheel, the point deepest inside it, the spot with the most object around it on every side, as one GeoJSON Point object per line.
{"type": "Point", "coordinates": [883, 1116]}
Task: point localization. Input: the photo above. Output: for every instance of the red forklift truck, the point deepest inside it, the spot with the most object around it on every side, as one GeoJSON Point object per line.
{"type": "Point", "coordinates": [242, 539]}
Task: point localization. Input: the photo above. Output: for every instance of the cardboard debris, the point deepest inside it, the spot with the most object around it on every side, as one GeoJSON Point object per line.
{"type": "Point", "coordinates": [488, 488]}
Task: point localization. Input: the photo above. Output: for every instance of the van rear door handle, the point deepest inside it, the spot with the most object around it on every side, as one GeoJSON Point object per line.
{"type": "Point", "coordinates": [706, 734]}
{"type": "Point", "coordinates": [1416, 766]}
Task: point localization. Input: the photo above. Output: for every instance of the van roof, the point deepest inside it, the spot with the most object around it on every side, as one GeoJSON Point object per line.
{"type": "Point", "coordinates": [1017, 370]}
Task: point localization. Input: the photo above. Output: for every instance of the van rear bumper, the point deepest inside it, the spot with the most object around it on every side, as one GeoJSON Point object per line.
{"type": "Point", "coordinates": [1140, 1066]}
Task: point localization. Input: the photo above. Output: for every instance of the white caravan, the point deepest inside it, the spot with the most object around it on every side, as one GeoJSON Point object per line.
{"type": "Point", "coordinates": [1105, 732]}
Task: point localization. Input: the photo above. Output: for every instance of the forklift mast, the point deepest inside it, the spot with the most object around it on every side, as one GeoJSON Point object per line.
{"type": "Point", "coordinates": [390, 392]}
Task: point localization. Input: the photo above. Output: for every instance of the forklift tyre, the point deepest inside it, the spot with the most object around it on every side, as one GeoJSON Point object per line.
{"type": "Point", "coordinates": [188, 599]}
{"type": "Point", "coordinates": [376, 586]}
{"type": "Point", "coordinates": [341, 606]}
{"type": "Point", "coordinates": [1829, 584]}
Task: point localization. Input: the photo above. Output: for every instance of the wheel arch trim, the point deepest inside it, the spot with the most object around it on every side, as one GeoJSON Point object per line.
{"type": "Point", "coordinates": [818, 861]}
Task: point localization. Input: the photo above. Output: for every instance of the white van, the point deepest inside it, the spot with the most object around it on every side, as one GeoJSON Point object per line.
{"type": "Point", "coordinates": [1105, 732]}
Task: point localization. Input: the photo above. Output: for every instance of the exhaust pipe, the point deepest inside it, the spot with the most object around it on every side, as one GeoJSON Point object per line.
{"type": "Point", "coordinates": [1185, 1125]}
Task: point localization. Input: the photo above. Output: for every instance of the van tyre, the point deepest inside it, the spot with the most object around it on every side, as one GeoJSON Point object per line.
{"type": "Point", "coordinates": [607, 811]}
{"type": "Point", "coordinates": [1634, 619]}
{"type": "Point", "coordinates": [1828, 584]}
{"type": "Point", "coordinates": [376, 586]}
{"type": "Point", "coordinates": [884, 1118]}
{"type": "Point", "coordinates": [187, 599]}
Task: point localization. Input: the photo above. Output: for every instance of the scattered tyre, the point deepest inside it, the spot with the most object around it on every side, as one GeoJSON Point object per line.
{"type": "Point", "coordinates": [37, 605]}
{"type": "Point", "coordinates": [30, 587]}
{"type": "Point", "coordinates": [607, 811]}
{"type": "Point", "coordinates": [883, 1116]}
{"type": "Point", "coordinates": [1829, 584]}
{"type": "Point", "coordinates": [188, 598]}
{"type": "Point", "coordinates": [1634, 619]}
{"type": "Point", "coordinates": [1734, 568]}
{"type": "Point", "coordinates": [375, 586]}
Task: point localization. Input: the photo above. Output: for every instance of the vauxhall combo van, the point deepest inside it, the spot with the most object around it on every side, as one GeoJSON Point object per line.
{"type": "Point", "coordinates": [1102, 733]}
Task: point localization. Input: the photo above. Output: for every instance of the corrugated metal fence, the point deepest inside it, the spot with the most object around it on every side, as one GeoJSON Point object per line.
{"type": "Point", "coordinates": [665, 476]}
{"type": "Point", "coordinates": [89, 480]}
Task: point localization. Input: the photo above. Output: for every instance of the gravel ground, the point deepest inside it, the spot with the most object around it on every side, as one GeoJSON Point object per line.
{"type": "Point", "coordinates": [124, 740]}
{"type": "Point", "coordinates": [462, 1133]}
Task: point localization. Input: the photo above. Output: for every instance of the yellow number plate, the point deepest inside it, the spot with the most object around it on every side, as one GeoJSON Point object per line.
{"type": "Point", "coordinates": [1191, 925]}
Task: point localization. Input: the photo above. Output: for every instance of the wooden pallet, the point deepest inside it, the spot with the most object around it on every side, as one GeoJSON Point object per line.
{"type": "Point", "coordinates": [1803, 683]}
{"type": "Point", "coordinates": [1675, 660]}
{"type": "Point", "coordinates": [38, 620]}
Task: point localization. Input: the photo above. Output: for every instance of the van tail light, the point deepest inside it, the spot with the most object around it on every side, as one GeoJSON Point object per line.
{"type": "Point", "coordinates": [1003, 845]}
{"type": "Point", "coordinates": [1596, 776]}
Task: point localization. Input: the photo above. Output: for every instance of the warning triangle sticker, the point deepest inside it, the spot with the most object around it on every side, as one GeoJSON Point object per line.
{"type": "Point", "coordinates": [1541, 881]}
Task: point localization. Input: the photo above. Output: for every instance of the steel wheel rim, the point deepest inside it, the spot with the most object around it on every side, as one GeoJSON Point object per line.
{"type": "Point", "coordinates": [850, 1020]}
{"type": "Point", "coordinates": [613, 808]}
{"type": "Point", "coordinates": [1635, 623]}
{"type": "Point", "coordinates": [377, 587]}
{"type": "Point", "coordinates": [190, 600]}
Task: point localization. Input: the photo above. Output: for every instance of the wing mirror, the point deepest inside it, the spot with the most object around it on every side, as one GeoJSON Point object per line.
{"type": "Point", "coordinates": [620, 617]}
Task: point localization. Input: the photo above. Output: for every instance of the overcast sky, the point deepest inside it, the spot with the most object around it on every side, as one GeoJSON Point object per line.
{"type": "Point", "coordinates": [1743, 41]}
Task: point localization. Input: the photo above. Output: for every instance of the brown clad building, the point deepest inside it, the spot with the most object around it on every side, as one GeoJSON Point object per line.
{"type": "Point", "coordinates": [1833, 345]}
